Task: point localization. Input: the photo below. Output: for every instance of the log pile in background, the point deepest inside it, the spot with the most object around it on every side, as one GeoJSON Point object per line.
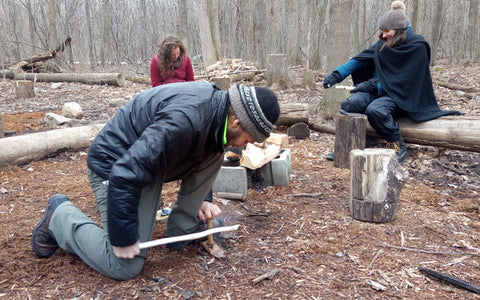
{"type": "Point", "coordinates": [223, 73]}
{"type": "Point", "coordinates": [235, 68]}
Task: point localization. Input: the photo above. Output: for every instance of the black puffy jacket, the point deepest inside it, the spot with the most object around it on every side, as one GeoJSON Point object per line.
{"type": "Point", "coordinates": [164, 131]}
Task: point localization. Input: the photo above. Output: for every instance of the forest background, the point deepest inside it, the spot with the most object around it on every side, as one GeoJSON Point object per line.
{"type": "Point", "coordinates": [319, 34]}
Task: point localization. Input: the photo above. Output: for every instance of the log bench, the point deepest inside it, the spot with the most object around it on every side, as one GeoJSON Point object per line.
{"type": "Point", "coordinates": [452, 132]}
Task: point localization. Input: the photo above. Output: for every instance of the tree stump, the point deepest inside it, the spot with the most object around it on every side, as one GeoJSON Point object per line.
{"type": "Point", "coordinates": [376, 181]}
{"type": "Point", "coordinates": [350, 133]}
{"type": "Point", "coordinates": [277, 70]}
{"type": "Point", "coordinates": [24, 89]}
{"type": "Point", "coordinates": [222, 83]}
{"type": "Point", "coordinates": [299, 130]}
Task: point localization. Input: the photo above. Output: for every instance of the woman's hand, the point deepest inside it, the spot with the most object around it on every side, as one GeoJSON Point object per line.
{"type": "Point", "coordinates": [209, 210]}
{"type": "Point", "coordinates": [127, 252]}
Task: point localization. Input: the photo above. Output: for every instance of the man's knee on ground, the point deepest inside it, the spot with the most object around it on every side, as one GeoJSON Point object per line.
{"type": "Point", "coordinates": [131, 268]}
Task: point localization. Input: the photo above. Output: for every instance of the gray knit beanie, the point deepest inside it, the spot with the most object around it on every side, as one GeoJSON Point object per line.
{"type": "Point", "coordinates": [256, 108]}
{"type": "Point", "coordinates": [393, 19]}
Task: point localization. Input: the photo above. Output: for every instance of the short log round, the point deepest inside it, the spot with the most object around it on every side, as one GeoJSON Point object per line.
{"type": "Point", "coordinates": [375, 184]}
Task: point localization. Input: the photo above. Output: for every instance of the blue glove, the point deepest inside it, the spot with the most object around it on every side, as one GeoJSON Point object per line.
{"type": "Point", "coordinates": [332, 79]}
{"type": "Point", "coordinates": [369, 86]}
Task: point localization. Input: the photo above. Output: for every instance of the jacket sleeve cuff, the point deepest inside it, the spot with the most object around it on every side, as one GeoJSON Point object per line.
{"type": "Point", "coordinates": [209, 197]}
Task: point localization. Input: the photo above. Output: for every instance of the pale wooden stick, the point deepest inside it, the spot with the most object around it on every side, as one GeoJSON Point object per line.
{"type": "Point", "coordinates": [187, 237]}
{"type": "Point", "coordinates": [344, 87]}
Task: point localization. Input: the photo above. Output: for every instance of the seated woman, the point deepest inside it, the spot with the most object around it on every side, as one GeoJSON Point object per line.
{"type": "Point", "coordinates": [171, 64]}
{"type": "Point", "coordinates": [392, 80]}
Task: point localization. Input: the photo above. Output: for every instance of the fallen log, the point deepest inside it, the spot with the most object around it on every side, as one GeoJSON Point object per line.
{"type": "Point", "coordinates": [30, 62]}
{"type": "Point", "coordinates": [25, 148]}
{"type": "Point", "coordinates": [291, 113]}
{"type": "Point", "coordinates": [454, 86]}
{"type": "Point", "coordinates": [321, 127]}
{"type": "Point", "coordinates": [452, 132]}
{"type": "Point", "coordinates": [47, 54]}
{"type": "Point", "coordinates": [6, 74]}
{"type": "Point", "coordinates": [239, 76]}
{"type": "Point", "coordinates": [114, 79]}
{"type": "Point", "coordinates": [138, 79]}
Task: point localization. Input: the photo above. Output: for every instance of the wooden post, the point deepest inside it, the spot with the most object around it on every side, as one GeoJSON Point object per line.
{"type": "Point", "coordinates": [277, 71]}
{"type": "Point", "coordinates": [24, 89]}
{"type": "Point", "coordinates": [376, 181]}
{"type": "Point", "coordinates": [350, 133]}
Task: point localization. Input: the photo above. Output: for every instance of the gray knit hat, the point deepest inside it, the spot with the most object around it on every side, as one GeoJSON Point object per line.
{"type": "Point", "coordinates": [393, 19]}
{"type": "Point", "coordinates": [256, 108]}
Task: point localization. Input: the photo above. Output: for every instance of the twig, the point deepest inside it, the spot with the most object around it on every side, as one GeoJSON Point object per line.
{"type": "Point", "coordinates": [268, 275]}
{"type": "Point", "coordinates": [453, 280]}
{"type": "Point", "coordinates": [304, 195]}
{"type": "Point", "coordinates": [245, 207]}
{"type": "Point", "coordinates": [422, 250]}
{"type": "Point", "coordinates": [374, 258]}
{"type": "Point", "coordinates": [280, 229]}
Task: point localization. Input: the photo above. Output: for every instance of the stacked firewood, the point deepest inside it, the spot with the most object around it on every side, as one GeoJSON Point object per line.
{"type": "Point", "coordinates": [234, 68]}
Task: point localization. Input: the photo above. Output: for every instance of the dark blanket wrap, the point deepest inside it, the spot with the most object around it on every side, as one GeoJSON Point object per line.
{"type": "Point", "coordinates": [404, 75]}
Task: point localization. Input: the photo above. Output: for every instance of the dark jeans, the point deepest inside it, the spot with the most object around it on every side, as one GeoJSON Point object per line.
{"type": "Point", "coordinates": [381, 113]}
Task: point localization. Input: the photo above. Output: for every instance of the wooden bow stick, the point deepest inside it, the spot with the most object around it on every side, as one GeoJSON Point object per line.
{"type": "Point", "coordinates": [187, 237]}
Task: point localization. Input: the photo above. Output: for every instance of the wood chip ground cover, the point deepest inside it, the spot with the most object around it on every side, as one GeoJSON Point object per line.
{"type": "Point", "coordinates": [299, 240]}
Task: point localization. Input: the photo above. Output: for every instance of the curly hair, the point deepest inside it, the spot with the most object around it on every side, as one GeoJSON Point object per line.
{"type": "Point", "coordinates": [165, 63]}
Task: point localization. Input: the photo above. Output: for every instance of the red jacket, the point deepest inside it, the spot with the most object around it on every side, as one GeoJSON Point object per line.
{"type": "Point", "coordinates": [182, 73]}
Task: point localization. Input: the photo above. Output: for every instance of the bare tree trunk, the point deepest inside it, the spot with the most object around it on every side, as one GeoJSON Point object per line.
{"type": "Point", "coordinates": [143, 21]}
{"type": "Point", "coordinates": [214, 27]}
{"type": "Point", "coordinates": [208, 52]}
{"type": "Point", "coordinates": [293, 32]}
{"type": "Point", "coordinates": [260, 31]}
{"type": "Point", "coordinates": [31, 21]}
{"type": "Point", "coordinates": [69, 15]}
{"type": "Point", "coordinates": [182, 22]}
{"type": "Point", "coordinates": [437, 29]}
{"type": "Point", "coordinates": [246, 20]}
{"type": "Point", "coordinates": [472, 29]}
{"type": "Point", "coordinates": [414, 19]}
{"type": "Point", "coordinates": [52, 26]}
{"type": "Point", "coordinates": [338, 50]}
{"type": "Point", "coordinates": [106, 19]}
{"type": "Point", "coordinates": [310, 8]}
{"type": "Point", "coordinates": [90, 35]}
{"type": "Point", "coordinates": [16, 33]}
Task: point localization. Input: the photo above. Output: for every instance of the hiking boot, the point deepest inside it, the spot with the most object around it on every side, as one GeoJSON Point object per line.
{"type": "Point", "coordinates": [330, 156]}
{"type": "Point", "coordinates": [400, 149]}
{"type": "Point", "coordinates": [202, 226]}
{"type": "Point", "coordinates": [43, 243]}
